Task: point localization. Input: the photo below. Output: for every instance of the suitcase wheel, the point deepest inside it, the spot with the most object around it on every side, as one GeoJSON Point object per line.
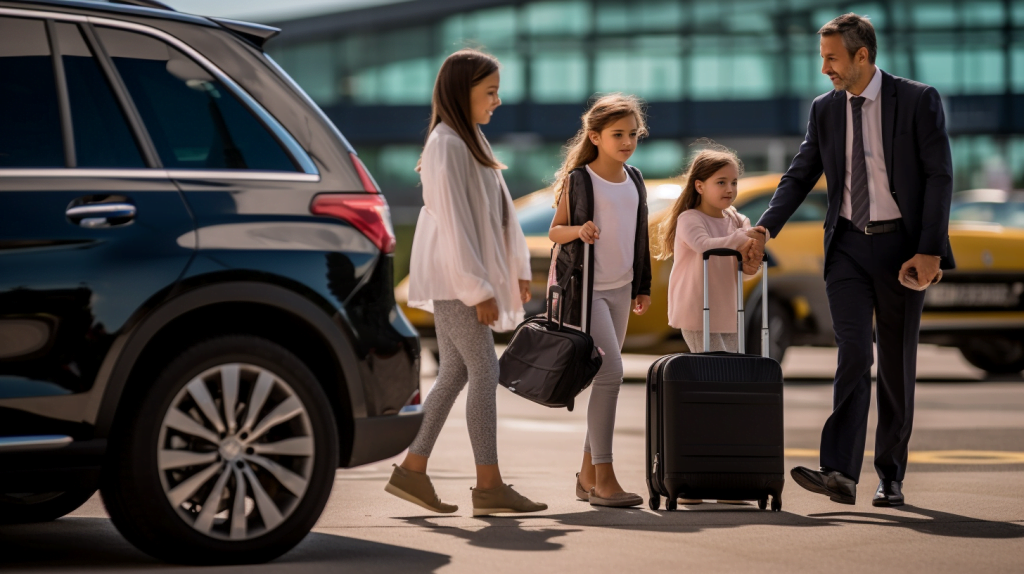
{"type": "Point", "coordinates": [776, 503]}
{"type": "Point", "coordinates": [654, 502]}
{"type": "Point", "coordinates": [762, 503]}
{"type": "Point", "coordinates": [670, 502]}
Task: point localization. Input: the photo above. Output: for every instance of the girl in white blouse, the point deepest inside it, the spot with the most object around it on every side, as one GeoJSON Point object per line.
{"type": "Point", "coordinates": [470, 266]}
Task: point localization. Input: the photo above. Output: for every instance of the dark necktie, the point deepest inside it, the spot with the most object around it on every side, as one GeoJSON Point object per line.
{"type": "Point", "coordinates": [860, 204]}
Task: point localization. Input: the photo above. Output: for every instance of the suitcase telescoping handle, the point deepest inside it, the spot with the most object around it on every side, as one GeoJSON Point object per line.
{"type": "Point", "coordinates": [740, 330]}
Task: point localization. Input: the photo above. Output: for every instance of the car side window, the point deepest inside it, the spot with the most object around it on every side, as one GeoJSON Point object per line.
{"type": "Point", "coordinates": [754, 208]}
{"type": "Point", "coordinates": [102, 136]}
{"type": "Point", "coordinates": [193, 119]}
{"type": "Point", "coordinates": [813, 208]}
{"type": "Point", "coordinates": [30, 132]}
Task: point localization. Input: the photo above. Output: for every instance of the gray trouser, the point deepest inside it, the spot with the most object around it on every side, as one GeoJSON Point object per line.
{"type": "Point", "coordinates": [466, 350]}
{"type": "Point", "coordinates": [719, 341]}
{"type": "Point", "coordinates": [608, 317]}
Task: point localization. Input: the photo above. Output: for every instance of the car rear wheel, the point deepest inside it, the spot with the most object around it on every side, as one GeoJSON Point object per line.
{"type": "Point", "coordinates": [229, 457]}
{"type": "Point", "coordinates": [28, 507]}
{"type": "Point", "coordinates": [999, 355]}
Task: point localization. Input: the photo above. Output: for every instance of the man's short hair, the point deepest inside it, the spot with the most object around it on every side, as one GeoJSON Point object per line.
{"type": "Point", "coordinates": [857, 33]}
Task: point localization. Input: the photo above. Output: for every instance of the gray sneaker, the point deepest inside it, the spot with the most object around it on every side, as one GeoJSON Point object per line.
{"type": "Point", "coordinates": [416, 488]}
{"type": "Point", "coordinates": [502, 500]}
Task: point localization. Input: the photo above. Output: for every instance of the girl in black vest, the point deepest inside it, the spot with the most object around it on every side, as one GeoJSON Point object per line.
{"type": "Point", "coordinates": [602, 201]}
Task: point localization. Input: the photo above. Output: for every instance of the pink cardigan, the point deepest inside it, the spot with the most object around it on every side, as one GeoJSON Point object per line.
{"type": "Point", "coordinates": [696, 232]}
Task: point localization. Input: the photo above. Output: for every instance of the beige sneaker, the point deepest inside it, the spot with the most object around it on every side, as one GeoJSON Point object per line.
{"type": "Point", "coordinates": [502, 500]}
{"type": "Point", "coordinates": [417, 489]}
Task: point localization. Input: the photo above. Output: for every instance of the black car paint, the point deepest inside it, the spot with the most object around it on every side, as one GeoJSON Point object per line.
{"type": "Point", "coordinates": [199, 240]}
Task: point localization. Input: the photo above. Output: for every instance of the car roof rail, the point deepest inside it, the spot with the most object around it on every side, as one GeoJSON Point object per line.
{"type": "Point", "coordinates": [156, 4]}
{"type": "Point", "coordinates": [258, 34]}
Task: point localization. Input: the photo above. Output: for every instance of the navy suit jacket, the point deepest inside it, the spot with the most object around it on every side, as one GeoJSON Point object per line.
{"type": "Point", "coordinates": [917, 161]}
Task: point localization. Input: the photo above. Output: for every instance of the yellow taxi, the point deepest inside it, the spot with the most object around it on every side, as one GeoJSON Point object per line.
{"type": "Point", "coordinates": [977, 307]}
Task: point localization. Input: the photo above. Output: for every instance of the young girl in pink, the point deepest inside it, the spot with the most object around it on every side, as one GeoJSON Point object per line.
{"type": "Point", "coordinates": [703, 218]}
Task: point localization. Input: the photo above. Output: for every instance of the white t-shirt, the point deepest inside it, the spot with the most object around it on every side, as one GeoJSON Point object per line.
{"type": "Point", "coordinates": [615, 207]}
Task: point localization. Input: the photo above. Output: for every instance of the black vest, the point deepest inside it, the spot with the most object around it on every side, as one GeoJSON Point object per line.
{"type": "Point", "coordinates": [569, 262]}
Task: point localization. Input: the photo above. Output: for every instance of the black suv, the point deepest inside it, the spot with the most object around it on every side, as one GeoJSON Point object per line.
{"type": "Point", "coordinates": [196, 307]}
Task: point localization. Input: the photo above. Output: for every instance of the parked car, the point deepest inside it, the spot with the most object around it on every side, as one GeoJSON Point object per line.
{"type": "Point", "coordinates": [977, 307]}
{"type": "Point", "coordinates": [196, 305]}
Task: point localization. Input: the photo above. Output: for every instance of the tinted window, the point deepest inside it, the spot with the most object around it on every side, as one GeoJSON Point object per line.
{"type": "Point", "coordinates": [535, 218]}
{"type": "Point", "coordinates": [102, 136]}
{"type": "Point", "coordinates": [30, 134]}
{"type": "Point", "coordinates": [194, 121]}
{"type": "Point", "coordinates": [812, 209]}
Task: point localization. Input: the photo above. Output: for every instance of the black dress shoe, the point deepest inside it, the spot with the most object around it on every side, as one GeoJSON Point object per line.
{"type": "Point", "coordinates": [889, 493]}
{"type": "Point", "coordinates": [832, 483]}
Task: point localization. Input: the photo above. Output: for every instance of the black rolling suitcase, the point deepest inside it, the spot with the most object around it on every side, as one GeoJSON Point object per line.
{"type": "Point", "coordinates": [714, 420]}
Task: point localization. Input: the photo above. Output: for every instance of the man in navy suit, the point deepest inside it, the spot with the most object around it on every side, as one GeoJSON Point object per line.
{"type": "Point", "coordinates": [881, 142]}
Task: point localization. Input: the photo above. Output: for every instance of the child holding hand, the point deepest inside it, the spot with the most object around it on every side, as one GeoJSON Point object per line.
{"type": "Point", "coordinates": [703, 218]}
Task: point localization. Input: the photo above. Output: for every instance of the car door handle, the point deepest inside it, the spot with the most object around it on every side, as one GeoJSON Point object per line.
{"type": "Point", "coordinates": [98, 215]}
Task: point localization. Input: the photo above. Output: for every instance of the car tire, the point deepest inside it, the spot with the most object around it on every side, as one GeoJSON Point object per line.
{"type": "Point", "coordinates": [263, 478]}
{"type": "Point", "coordinates": [26, 508]}
{"type": "Point", "coordinates": [996, 355]}
{"type": "Point", "coordinates": [780, 329]}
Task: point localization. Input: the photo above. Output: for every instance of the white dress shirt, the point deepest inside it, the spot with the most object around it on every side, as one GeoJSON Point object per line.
{"type": "Point", "coordinates": [883, 206]}
{"type": "Point", "coordinates": [461, 249]}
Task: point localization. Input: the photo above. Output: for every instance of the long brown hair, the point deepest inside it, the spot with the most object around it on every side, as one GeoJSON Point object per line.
{"type": "Point", "coordinates": [451, 103]}
{"type": "Point", "coordinates": [705, 163]}
{"type": "Point", "coordinates": [605, 111]}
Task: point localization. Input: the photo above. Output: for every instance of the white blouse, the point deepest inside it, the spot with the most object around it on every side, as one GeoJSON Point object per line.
{"type": "Point", "coordinates": [461, 250]}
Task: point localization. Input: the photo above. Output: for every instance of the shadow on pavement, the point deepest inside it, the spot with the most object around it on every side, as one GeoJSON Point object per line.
{"type": "Point", "coordinates": [515, 533]}
{"type": "Point", "coordinates": [937, 523]}
{"type": "Point", "coordinates": [499, 534]}
{"type": "Point", "coordinates": [93, 544]}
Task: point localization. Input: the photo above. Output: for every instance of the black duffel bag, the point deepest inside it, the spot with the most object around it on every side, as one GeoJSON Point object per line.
{"type": "Point", "coordinates": [547, 362]}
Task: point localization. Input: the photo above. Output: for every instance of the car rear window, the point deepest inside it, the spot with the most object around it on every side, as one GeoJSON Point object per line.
{"type": "Point", "coordinates": [30, 133]}
{"type": "Point", "coordinates": [192, 118]}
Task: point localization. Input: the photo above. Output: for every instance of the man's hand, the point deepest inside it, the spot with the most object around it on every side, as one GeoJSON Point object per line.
{"type": "Point", "coordinates": [926, 266]}
{"type": "Point", "coordinates": [487, 312]}
{"type": "Point", "coordinates": [760, 236]}
{"type": "Point", "coordinates": [641, 304]}
{"type": "Point", "coordinates": [524, 291]}
{"type": "Point", "coordinates": [589, 232]}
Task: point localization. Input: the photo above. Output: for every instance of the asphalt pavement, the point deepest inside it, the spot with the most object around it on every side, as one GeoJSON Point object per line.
{"type": "Point", "coordinates": [964, 489]}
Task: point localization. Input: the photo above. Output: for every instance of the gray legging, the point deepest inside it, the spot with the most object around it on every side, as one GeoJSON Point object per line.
{"type": "Point", "coordinates": [608, 317]}
{"type": "Point", "coordinates": [466, 350]}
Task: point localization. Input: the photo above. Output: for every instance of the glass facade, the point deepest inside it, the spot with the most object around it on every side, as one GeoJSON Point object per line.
{"type": "Point", "coordinates": [558, 53]}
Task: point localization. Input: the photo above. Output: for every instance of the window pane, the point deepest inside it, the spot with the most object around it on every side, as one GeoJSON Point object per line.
{"type": "Point", "coordinates": [312, 67]}
{"type": "Point", "coordinates": [572, 18]}
{"type": "Point", "coordinates": [30, 134]}
{"type": "Point", "coordinates": [559, 78]}
{"type": "Point", "coordinates": [194, 121]}
{"type": "Point", "coordinates": [512, 78]}
{"type": "Point", "coordinates": [659, 159]}
{"type": "Point", "coordinates": [407, 82]}
{"type": "Point", "coordinates": [983, 70]}
{"type": "Point", "coordinates": [102, 136]}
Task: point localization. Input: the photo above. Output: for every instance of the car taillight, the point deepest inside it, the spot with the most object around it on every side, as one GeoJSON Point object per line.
{"type": "Point", "coordinates": [369, 185]}
{"type": "Point", "coordinates": [367, 213]}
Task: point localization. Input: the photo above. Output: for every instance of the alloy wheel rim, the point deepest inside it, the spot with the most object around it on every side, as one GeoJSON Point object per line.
{"type": "Point", "coordinates": [235, 452]}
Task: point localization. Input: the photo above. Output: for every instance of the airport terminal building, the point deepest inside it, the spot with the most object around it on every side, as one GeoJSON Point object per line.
{"type": "Point", "coordinates": [740, 71]}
